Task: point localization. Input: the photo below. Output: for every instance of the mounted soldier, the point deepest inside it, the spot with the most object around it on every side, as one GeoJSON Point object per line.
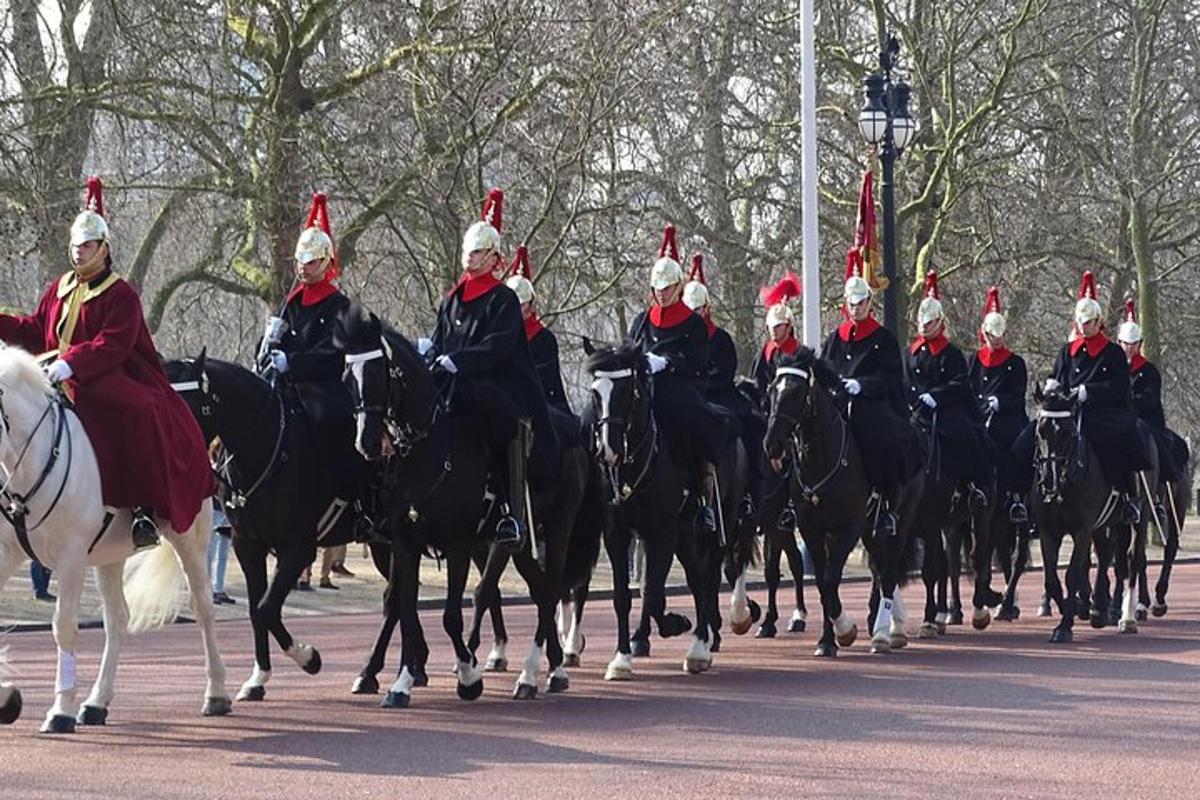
{"type": "Point", "coordinates": [1146, 384]}
{"type": "Point", "coordinates": [543, 349]}
{"type": "Point", "coordinates": [675, 342]}
{"type": "Point", "coordinates": [999, 380]}
{"type": "Point", "coordinates": [939, 390]}
{"type": "Point", "coordinates": [89, 326]}
{"type": "Point", "coordinates": [1096, 370]}
{"type": "Point", "coordinates": [781, 329]}
{"type": "Point", "coordinates": [867, 357]}
{"type": "Point", "coordinates": [481, 355]}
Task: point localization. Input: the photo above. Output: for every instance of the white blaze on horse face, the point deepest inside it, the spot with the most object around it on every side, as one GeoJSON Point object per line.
{"type": "Point", "coordinates": [603, 387]}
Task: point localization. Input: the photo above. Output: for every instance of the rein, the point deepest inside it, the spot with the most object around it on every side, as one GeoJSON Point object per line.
{"type": "Point", "coordinates": [14, 506]}
{"type": "Point", "coordinates": [811, 493]}
{"type": "Point", "coordinates": [622, 491]}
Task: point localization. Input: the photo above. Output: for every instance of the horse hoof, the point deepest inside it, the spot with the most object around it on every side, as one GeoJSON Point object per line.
{"type": "Point", "coordinates": [1127, 626]}
{"type": "Point", "coordinates": [365, 684]}
{"type": "Point", "coordinates": [217, 707]}
{"type": "Point", "coordinates": [694, 666]}
{"type": "Point", "coordinates": [496, 665]}
{"type": "Point", "coordinates": [1158, 610]}
{"type": "Point", "coordinates": [419, 675]}
{"type": "Point", "coordinates": [674, 625]}
{"type": "Point", "coordinates": [1061, 636]}
{"type": "Point", "coordinates": [12, 709]}
{"type": "Point", "coordinates": [1098, 619]}
{"type": "Point", "coordinates": [558, 684]}
{"type": "Point", "coordinates": [1044, 609]}
{"type": "Point", "coordinates": [765, 631]}
{"type": "Point", "coordinates": [846, 639]}
{"type": "Point", "coordinates": [92, 715]}
{"type": "Point", "coordinates": [639, 648]}
{"type": "Point", "coordinates": [1008, 614]}
{"type": "Point", "coordinates": [1114, 614]}
{"type": "Point", "coordinates": [881, 644]}
{"type": "Point", "coordinates": [616, 672]}
{"type": "Point", "coordinates": [755, 611]}
{"type": "Point", "coordinates": [525, 692]}
{"type": "Point", "coordinates": [825, 650]}
{"type": "Point", "coordinates": [741, 628]}
{"type": "Point", "coordinates": [59, 723]}
{"type": "Point", "coordinates": [1141, 615]}
{"type": "Point", "coordinates": [797, 626]}
{"type": "Point", "coordinates": [470, 691]}
{"type": "Point", "coordinates": [314, 664]}
{"type": "Point", "coordinates": [252, 694]}
{"type": "Point", "coordinates": [956, 617]}
{"type": "Point", "coordinates": [929, 630]}
{"type": "Point", "coordinates": [981, 619]}
{"type": "Point", "coordinates": [395, 700]}
{"type": "Point", "coordinates": [899, 641]}
{"type": "Point", "coordinates": [570, 659]}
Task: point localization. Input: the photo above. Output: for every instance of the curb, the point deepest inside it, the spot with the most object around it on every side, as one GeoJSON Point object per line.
{"type": "Point", "coordinates": [434, 603]}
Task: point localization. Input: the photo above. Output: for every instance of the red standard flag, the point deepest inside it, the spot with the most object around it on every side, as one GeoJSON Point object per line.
{"type": "Point", "coordinates": [864, 255]}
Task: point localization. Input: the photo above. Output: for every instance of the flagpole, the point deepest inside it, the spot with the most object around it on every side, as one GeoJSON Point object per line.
{"type": "Point", "coordinates": [808, 176]}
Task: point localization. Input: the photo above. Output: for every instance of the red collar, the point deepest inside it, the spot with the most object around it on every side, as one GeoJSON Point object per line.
{"type": "Point", "coordinates": [1137, 363]}
{"type": "Point", "coordinates": [312, 293]}
{"type": "Point", "coordinates": [533, 326]}
{"type": "Point", "coordinates": [936, 345]}
{"type": "Point", "coordinates": [789, 347]}
{"type": "Point", "coordinates": [993, 358]}
{"type": "Point", "coordinates": [850, 331]}
{"type": "Point", "coordinates": [712, 328]}
{"type": "Point", "coordinates": [476, 285]}
{"type": "Point", "coordinates": [669, 316]}
{"type": "Point", "coordinates": [1094, 345]}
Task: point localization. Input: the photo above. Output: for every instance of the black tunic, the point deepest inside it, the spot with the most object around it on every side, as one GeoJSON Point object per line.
{"type": "Point", "coordinates": [1147, 404]}
{"type": "Point", "coordinates": [720, 374]}
{"type": "Point", "coordinates": [963, 450]}
{"type": "Point", "coordinates": [1007, 382]}
{"type": "Point", "coordinates": [1109, 423]}
{"type": "Point", "coordinates": [695, 428]}
{"type": "Point", "coordinates": [892, 449]}
{"type": "Point", "coordinates": [496, 380]}
{"type": "Point", "coordinates": [543, 347]}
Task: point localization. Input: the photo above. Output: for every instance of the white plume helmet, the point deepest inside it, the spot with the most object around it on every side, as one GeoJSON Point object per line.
{"type": "Point", "coordinates": [485, 234]}
{"type": "Point", "coordinates": [89, 225]}
{"type": "Point", "coordinates": [1129, 332]}
{"type": "Point", "coordinates": [931, 306]}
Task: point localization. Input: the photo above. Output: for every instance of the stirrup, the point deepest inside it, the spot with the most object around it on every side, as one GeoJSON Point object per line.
{"type": "Point", "coordinates": [976, 499]}
{"type": "Point", "coordinates": [143, 530]}
{"type": "Point", "coordinates": [706, 520]}
{"type": "Point", "coordinates": [1018, 514]}
{"type": "Point", "coordinates": [1132, 514]}
{"type": "Point", "coordinates": [787, 519]}
{"type": "Point", "coordinates": [885, 525]}
{"type": "Point", "coordinates": [510, 534]}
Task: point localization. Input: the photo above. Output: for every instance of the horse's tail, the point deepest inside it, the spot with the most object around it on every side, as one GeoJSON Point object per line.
{"type": "Point", "coordinates": [583, 549]}
{"type": "Point", "coordinates": [154, 581]}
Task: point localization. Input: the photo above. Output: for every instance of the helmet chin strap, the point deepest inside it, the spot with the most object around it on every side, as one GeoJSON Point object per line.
{"type": "Point", "coordinates": [94, 264]}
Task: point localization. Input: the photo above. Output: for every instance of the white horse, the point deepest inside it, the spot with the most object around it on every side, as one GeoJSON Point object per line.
{"type": "Point", "coordinates": [48, 468]}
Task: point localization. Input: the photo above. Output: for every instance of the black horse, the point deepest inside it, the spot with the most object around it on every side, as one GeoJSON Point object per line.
{"type": "Point", "coordinates": [1171, 512]}
{"type": "Point", "coordinates": [1072, 497]}
{"type": "Point", "coordinates": [270, 478]}
{"type": "Point", "coordinates": [648, 492]}
{"type": "Point", "coordinates": [436, 498]}
{"type": "Point", "coordinates": [831, 494]}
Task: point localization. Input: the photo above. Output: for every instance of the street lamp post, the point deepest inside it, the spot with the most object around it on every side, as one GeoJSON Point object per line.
{"type": "Point", "coordinates": [886, 123]}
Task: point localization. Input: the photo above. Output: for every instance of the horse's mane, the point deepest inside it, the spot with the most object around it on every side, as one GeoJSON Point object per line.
{"type": "Point", "coordinates": [611, 359]}
{"type": "Point", "coordinates": [807, 358]}
{"type": "Point", "coordinates": [404, 352]}
{"type": "Point", "coordinates": [19, 368]}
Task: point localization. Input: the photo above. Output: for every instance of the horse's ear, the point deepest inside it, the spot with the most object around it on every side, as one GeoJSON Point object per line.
{"type": "Point", "coordinates": [202, 358]}
{"type": "Point", "coordinates": [1039, 396]}
{"type": "Point", "coordinates": [588, 349]}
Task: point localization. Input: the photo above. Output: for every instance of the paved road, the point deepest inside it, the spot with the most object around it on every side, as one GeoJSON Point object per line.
{"type": "Point", "coordinates": [995, 714]}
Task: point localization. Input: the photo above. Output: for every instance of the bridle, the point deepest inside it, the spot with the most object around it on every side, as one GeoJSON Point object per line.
{"type": "Point", "coordinates": [1053, 468]}
{"type": "Point", "coordinates": [644, 450]}
{"type": "Point", "coordinates": [405, 435]}
{"type": "Point", "coordinates": [14, 506]}
{"type": "Point", "coordinates": [811, 493]}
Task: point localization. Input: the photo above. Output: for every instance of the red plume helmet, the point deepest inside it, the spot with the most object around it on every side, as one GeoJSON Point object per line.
{"type": "Point", "coordinates": [993, 301]}
{"type": "Point", "coordinates": [1130, 310]}
{"type": "Point", "coordinates": [697, 273]}
{"type": "Point", "coordinates": [318, 216]}
{"type": "Point", "coordinates": [789, 286]}
{"type": "Point", "coordinates": [95, 195]}
{"type": "Point", "coordinates": [520, 264]}
{"type": "Point", "coordinates": [493, 209]}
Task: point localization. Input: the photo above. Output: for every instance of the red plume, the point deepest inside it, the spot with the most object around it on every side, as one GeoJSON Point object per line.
{"type": "Point", "coordinates": [697, 273]}
{"type": "Point", "coordinates": [993, 301]}
{"type": "Point", "coordinates": [789, 286]}
{"type": "Point", "coordinates": [931, 285]}
{"type": "Point", "coordinates": [494, 205]}
{"type": "Point", "coordinates": [854, 263]}
{"type": "Point", "coordinates": [318, 215]}
{"type": "Point", "coordinates": [669, 247]}
{"type": "Point", "coordinates": [1087, 286]}
{"type": "Point", "coordinates": [520, 264]}
{"type": "Point", "coordinates": [95, 195]}
{"type": "Point", "coordinates": [1130, 311]}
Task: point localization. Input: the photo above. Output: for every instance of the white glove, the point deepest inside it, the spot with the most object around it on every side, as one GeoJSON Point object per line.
{"type": "Point", "coordinates": [424, 345]}
{"type": "Point", "coordinates": [445, 363]}
{"type": "Point", "coordinates": [656, 363]}
{"type": "Point", "coordinates": [928, 400]}
{"type": "Point", "coordinates": [1081, 393]}
{"type": "Point", "coordinates": [993, 403]}
{"type": "Point", "coordinates": [279, 361]}
{"type": "Point", "coordinates": [853, 387]}
{"type": "Point", "coordinates": [1052, 385]}
{"type": "Point", "coordinates": [59, 371]}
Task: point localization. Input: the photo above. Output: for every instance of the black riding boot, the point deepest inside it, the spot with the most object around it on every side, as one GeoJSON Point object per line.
{"type": "Point", "coordinates": [706, 520]}
{"type": "Point", "coordinates": [1018, 514]}
{"type": "Point", "coordinates": [144, 531]}
{"type": "Point", "coordinates": [510, 530]}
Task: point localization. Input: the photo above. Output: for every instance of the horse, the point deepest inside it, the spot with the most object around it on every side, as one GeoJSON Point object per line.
{"type": "Point", "coordinates": [436, 466]}
{"type": "Point", "coordinates": [1170, 514]}
{"type": "Point", "coordinates": [271, 497]}
{"type": "Point", "coordinates": [1072, 497]}
{"type": "Point", "coordinates": [11, 703]}
{"type": "Point", "coordinates": [55, 514]}
{"type": "Point", "coordinates": [648, 489]}
{"type": "Point", "coordinates": [831, 493]}
{"type": "Point", "coordinates": [1010, 551]}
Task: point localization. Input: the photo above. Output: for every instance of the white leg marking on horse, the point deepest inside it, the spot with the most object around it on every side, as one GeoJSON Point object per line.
{"type": "Point", "coordinates": [529, 671]}
{"type": "Point", "coordinates": [404, 682]}
{"type": "Point", "coordinates": [843, 623]}
{"type": "Point", "coordinates": [258, 677]}
{"type": "Point", "coordinates": [942, 617]}
{"type": "Point", "coordinates": [467, 674]}
{"type": "Point", "coordinates": [740, 611]}
{"type": "Point", "coordinates": [302, 654]}
{"type": "Point", "coordinates": [799, 615]}
{"type": "Point", "coordinates": [899, 612]}
{"type": "Point", "coordinates": [65, 680]}
{"type": "Point", "coordinates": [620, 668]}
{"type": "Point", "coordinates": [498, 657]}
{"type": "Point", "coordinates": [883, 619]}
{"type": "Point", "coordinates": [698, 658]}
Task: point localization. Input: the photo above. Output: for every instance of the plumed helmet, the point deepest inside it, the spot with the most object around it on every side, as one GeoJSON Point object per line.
{"type": "Point", "coordinates": [666, 270]}
{"type": "Point", "coordinates": [89, 224]}
{"type": "Point", "coordinates": [695, 291]}
{"type": "Point", "coordinates": [1087, 307]}
{"type": "Point", "coordinates": [485, 234]}
{"type": "Point", "coordinates": [1129, 332]}
{"type": "Point", "coordinates": [856, 289]}
{"type": "Point", "coordinates": [522, 286]}
{"type": "Point", "coordinates": [778, 314]}
{"type": "Point", "coordinates": [994, 323]}
{"type": "Point", "coordinates": [316, 240]}
{"type": "Point", "coordinates": [931, 305]}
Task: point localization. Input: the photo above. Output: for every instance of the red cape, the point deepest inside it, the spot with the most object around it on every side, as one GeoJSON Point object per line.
{"type": "Point", "coordinates": [476, 285]}
{"type": "Point", "coordinates": [669, 316]}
